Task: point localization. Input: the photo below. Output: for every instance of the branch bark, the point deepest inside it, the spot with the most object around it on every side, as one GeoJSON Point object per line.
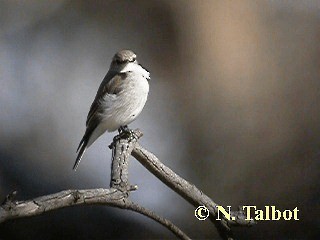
{"type": "Point", "coordinates": [190, 192]}
{"type": "Point", "coordinates": [109, 197]}
{"type": "Point", "coordinates": [11, 209]}
{"type": "Point", "coordinates": [117, 196]}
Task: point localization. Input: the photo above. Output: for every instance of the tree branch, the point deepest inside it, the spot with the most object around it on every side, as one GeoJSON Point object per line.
{"type": "Point", "coordinates": [109, 197]}
{"type": "Point", "coordinates": [166, 223]}
{"type": "Point", "coordinates": [18, 209]}
{"type": "Point", "coordinates": [117, 196]}
{"type": "Point", "coordinates": [189, 192]}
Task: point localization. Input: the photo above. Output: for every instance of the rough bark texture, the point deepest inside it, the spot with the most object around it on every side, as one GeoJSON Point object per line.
{"type": "Point", "coordinates": [189, 192]}
{"type": "Point", "coordinates": [117, 196]}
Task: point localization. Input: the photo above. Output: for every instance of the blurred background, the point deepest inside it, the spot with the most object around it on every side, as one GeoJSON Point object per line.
{"type": "Point", "coordinates": [233, 108]}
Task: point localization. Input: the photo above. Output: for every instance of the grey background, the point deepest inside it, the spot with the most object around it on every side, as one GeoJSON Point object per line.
{"type": "Point", "coordinates": [233, 108]}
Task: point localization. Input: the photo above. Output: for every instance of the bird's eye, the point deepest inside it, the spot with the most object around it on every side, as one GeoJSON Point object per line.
{"type": "Point", "coordinates": [118, 61]}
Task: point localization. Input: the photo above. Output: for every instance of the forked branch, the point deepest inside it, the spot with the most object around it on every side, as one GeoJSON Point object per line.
{"type": "Point", "coordinates": [118, 194]}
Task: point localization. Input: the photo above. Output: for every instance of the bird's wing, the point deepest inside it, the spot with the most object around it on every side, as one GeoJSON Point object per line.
{"type": "Point", "coordinates": [111, 84]}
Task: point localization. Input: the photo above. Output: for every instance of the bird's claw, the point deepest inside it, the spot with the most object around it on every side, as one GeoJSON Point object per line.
{"type": "Point", "coordinates": [125, 133]}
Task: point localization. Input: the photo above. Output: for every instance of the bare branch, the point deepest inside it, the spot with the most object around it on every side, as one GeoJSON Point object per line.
{"type": "Point", "coordinates": [121, 150]}
{"type": "Point", "coordinates": [19, 209]}
{"type": "Point", "coordinates": [166, 223]}
{"type": "Point", "coordinates": [122, 147]}
{"type": "Point", "coordinates": [117, 196]}
{"type": "Point", "coordinates": [188, 191]}
{"type": "Point", "coordinates": [109, 197]}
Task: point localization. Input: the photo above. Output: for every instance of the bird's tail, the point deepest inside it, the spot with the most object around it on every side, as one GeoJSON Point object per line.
{"type": "Point", "coordinates": [83, 147]}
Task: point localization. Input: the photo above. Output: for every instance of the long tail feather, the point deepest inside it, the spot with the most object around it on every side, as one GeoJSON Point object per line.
{"type": "Point", "coordinates": [83, 147]}
{"type": "Point", "coordinates": [81, 142]}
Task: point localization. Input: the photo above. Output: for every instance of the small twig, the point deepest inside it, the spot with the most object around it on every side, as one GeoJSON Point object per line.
{"type": "Point", "coordinates": [166, 223]}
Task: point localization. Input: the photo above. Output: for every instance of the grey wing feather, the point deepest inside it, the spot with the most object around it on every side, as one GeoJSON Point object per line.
{"type": "Point", "coordinates": [111, 84]}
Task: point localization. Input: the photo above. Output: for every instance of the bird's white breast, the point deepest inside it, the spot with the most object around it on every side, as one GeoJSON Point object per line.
{"type": "Point", "coordinates": [129, 102]}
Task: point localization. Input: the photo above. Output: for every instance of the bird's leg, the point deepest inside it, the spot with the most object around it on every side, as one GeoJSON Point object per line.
{"type": "Point", "coordinates": [125, 128]}
{"type": "Point", "coordinates": [122, 131]}
{"type": "Point", "coordinates": [121, 134]}
{"type": "Point", "coordinates": [125, 132]}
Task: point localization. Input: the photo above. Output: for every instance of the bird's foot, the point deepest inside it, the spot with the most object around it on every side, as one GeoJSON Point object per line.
{"type": "Point", "coordinates": [126, 133]}
{"type": "Point", "coordinates": [124, 129]}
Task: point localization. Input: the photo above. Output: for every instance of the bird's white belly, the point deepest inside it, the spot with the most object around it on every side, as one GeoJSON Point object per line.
{"type": "Point", "coordinates": [127, 105]}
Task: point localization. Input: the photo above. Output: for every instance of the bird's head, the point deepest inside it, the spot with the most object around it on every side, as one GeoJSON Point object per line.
{"type": "Point", "coordinates": [122, 58]}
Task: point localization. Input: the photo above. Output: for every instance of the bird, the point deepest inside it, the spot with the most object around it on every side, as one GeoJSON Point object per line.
{"type": "Point", "coordinates": [119, 100]}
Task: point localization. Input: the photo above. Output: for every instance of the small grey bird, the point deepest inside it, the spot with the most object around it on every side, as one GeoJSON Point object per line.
{"type": "Point", "coordinates": [119, 100]}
